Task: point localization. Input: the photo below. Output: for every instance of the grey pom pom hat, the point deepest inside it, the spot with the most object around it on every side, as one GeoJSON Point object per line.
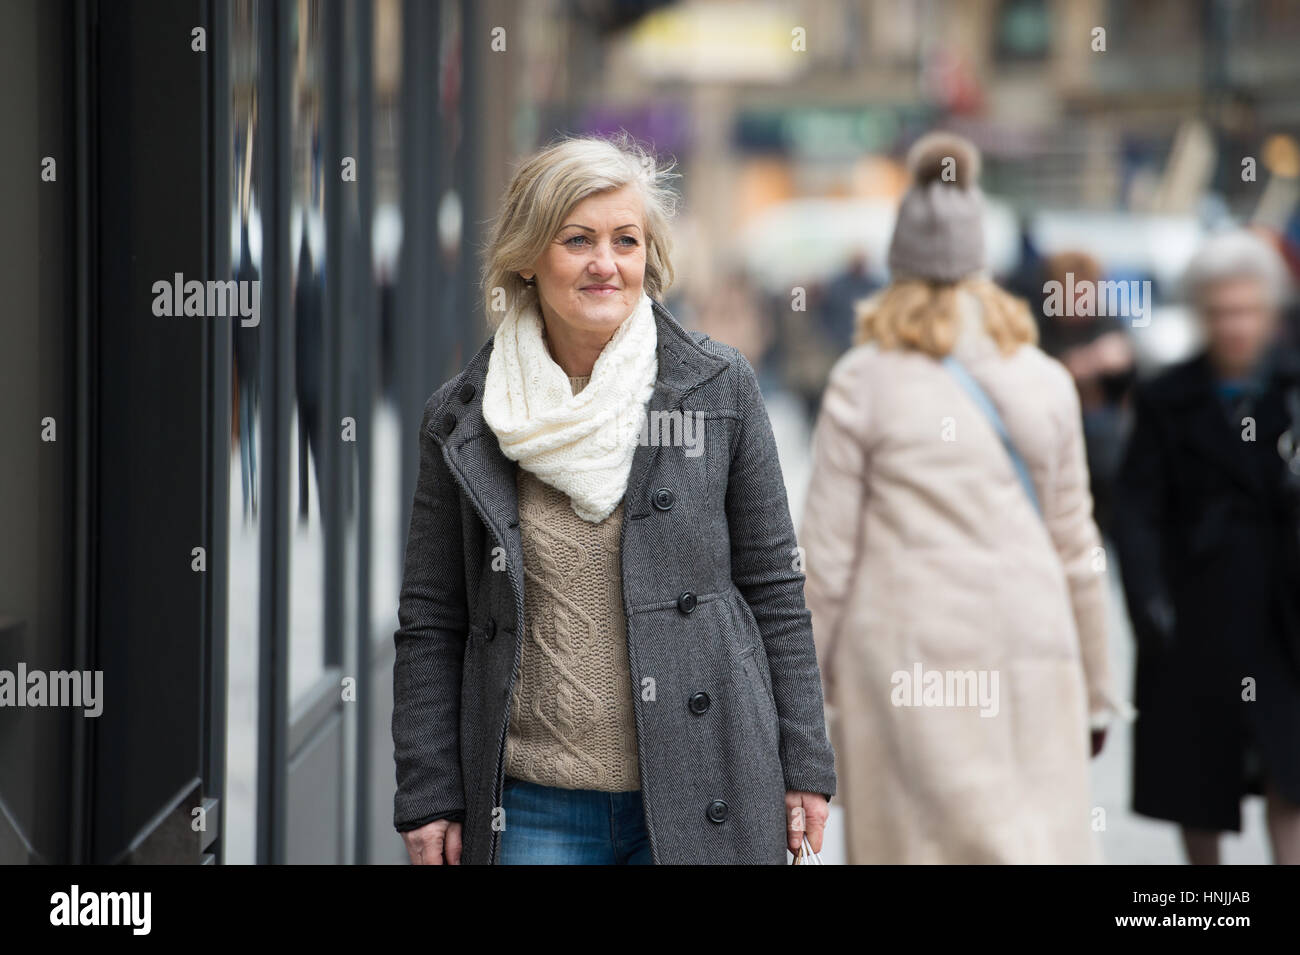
{"type": "Point", "coordinates": [939, 233]}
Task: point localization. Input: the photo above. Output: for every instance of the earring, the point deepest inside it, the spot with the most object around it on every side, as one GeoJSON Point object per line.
{"type": "Point", "coordinates": [532, 280]}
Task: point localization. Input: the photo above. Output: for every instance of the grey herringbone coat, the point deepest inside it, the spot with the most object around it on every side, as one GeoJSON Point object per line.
{"type": "Point", "coordinates": [716, 622]}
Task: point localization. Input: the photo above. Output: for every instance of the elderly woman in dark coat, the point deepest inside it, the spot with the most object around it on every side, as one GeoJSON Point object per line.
{"type": "Point", "coordinates": [604, 653]}
{"type": "Point", "coordinates": [1206, 523]}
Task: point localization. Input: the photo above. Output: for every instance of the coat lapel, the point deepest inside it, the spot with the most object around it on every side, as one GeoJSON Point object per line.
{"type": "Point", "coordinates": [683, 367]}
{"type": "Point", "coordinates": [1209, 432]}
{"type": "Point", "coordinates": [474, 454]}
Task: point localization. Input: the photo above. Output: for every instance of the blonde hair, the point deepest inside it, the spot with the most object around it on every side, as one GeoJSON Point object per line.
{"type": "Point", "coordinates": [545, 188]}
{"type": "Point", "coordinates": [922, 315]}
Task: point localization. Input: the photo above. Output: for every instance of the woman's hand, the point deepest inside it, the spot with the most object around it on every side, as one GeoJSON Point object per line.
{"type": "Point", "coordinates": [438, 843]}
{"type": "Point", "coordinates": [805, 812]}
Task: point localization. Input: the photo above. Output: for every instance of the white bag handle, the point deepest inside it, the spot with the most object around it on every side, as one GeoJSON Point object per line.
{"type": "Point", "coordinates": [805, 855]}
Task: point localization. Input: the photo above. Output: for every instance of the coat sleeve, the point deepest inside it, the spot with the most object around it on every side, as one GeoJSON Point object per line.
{"type": "Point", "coordinates": [430, 641]}
{"type": "Point", "coordinates": [765, 569]}
{"type": "Point", "coordinates": [1141, 492]}
{"type": "Point", "coordinates": [832, 515]}
{"type": "Point", "coordinates": [1069, 519]}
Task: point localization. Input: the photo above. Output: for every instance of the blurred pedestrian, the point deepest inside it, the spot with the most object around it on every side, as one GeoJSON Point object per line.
{"type": "Point", "coordinates": [604, 653]}
{"type": "Point", "coordinates": [952, 570]}
{"type": "Point", "coordinates": [1206, 526]}
{"type": "Point", "coordinates": [804, 353]}
{"type": "Point", "coordinates": [1097, 351]}
{"type": "Point", "coordinates": [731, 311]}
{"type": "Point", "coordinates": [838, 308]}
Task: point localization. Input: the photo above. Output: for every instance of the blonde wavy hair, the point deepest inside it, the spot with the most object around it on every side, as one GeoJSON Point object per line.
{"type": "Point", "coordinates": [543, 190]}
{"type": "Point", "coordinates": [922, 315]}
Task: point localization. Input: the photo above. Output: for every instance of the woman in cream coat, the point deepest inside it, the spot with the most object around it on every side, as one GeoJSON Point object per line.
{"type": "Point", "coordinates": [961, 635]}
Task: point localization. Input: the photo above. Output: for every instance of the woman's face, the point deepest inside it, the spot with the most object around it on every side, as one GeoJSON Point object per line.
{"type": "Point", "coordinates": [591, 274]}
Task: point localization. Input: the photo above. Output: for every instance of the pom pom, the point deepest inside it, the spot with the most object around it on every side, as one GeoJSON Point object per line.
{"type": "Point", "coordinates": [944, 157]}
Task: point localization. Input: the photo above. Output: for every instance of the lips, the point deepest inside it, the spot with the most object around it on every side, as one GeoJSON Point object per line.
{"type": "Point", "coordinates": [599, 289]}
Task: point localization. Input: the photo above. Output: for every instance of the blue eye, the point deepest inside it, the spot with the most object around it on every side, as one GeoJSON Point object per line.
{"type": "Point", "coordinates": [631, 242]}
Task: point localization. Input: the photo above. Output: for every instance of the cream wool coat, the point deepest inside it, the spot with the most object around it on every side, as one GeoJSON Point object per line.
{"type": "Point", "coordinates": [922, 548]}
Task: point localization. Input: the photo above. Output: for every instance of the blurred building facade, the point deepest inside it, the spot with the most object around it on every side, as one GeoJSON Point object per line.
{"type": "Point", "coordinates": [219, 527]}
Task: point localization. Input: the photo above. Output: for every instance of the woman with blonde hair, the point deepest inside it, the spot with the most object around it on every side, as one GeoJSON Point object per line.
{"type": "Point", "coordinates": [954, 571]}
{"type": "Point", "coordinates": [604, 654]}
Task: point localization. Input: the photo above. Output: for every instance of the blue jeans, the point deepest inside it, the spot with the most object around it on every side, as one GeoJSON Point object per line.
{"type": "Point", "coordinates": [545, 825]}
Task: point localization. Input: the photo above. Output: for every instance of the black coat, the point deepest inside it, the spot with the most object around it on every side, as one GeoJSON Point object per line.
{"type": "Point", "coordinates": [1207, 547]}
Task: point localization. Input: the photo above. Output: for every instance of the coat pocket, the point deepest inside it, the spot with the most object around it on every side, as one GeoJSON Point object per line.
{"type": "Point", "coordinates": [758, 683]}
{"type": "Point", "coordinates": [752, 637]}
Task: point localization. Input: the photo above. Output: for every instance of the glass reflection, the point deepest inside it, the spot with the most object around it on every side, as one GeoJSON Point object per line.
{"type": "Point", "coordinates": [307, 252]}
{"type": "Point", "coordinates": [240, 828]}
{"type": "Point", "coordinates": [387, 531]}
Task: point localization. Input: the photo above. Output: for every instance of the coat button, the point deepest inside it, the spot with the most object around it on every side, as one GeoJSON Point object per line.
{"type": "Point", "coordinates": [686, 602]}
{"type": "Point", "coordinates": [663, 498]}
{"type": "Point", "coordinates": [717, 811]}
{"type": "Point", "coordinates": [448, 424]}
{"type": "Point", "coordinates": [466, 393]}
{"type": "Point", "coordinates": [490, 630]}
{"type": "Point", "coordinates": [699, 702]}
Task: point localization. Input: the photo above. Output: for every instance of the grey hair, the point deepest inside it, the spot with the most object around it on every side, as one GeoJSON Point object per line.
{"type": "Point", "coordinates": [1237, 253]}
{"type": "Point", "coordinates": [543, 190]}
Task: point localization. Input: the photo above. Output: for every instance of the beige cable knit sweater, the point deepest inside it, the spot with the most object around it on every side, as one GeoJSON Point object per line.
{"type": "Point", "coordinates": [572, 724]}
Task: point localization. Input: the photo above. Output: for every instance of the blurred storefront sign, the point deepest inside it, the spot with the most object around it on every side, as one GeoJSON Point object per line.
{"type": "Point", "coordinates": [1023, 31]}
{"type": "Point", "coordinates": [717, 42]}
{"type": "Point", "coordinates": [666, 125]}
{"type": "Point", "coordinates": [824, 133]}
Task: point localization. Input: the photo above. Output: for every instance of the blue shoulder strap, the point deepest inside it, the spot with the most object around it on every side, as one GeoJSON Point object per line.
{"type": "Point", "coordinates": [985, 404]}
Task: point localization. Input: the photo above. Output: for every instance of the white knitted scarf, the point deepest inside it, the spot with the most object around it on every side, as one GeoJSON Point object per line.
{"type": "Point", "coordinates": [580, 444]}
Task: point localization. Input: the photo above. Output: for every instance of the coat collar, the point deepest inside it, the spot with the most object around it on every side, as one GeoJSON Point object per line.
{"type": "Point", "coordinates": [472, 451]}
{"type": "Point", "coordinates": [1208, 430]}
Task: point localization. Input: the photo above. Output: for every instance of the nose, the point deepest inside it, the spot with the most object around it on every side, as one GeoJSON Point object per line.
{"type": "Point", "coordinates": [602, 261]}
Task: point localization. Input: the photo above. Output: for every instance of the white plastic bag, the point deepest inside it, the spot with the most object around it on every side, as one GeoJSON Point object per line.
{"type": "Point", "coordinates": [805, 855]}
